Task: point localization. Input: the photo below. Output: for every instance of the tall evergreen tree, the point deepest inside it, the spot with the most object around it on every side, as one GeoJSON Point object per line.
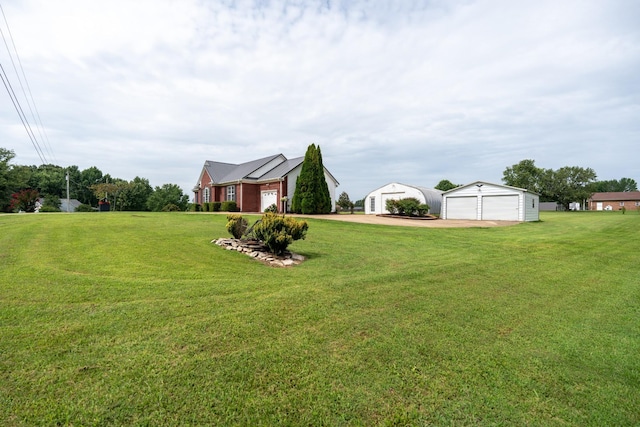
{"type": "Point", "coordinates": [312, 192]}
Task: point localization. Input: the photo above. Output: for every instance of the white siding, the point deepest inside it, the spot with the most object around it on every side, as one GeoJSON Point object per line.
{"type": "Point", "coordinates": [532, 207]}
{"type": "Point", "coordinates": [493, 202]}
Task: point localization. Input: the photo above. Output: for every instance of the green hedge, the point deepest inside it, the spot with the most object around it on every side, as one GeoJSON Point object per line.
{"type": "Point", "coordinates": [229, 206]}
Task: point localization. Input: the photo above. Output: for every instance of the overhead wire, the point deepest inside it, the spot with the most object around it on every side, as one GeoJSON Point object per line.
{"type": "Point", "coordinates": [16, 101]}
{"type": "Point", "coordinates": [18, 107]}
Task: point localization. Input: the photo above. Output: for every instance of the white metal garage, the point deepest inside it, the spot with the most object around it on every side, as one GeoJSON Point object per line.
{"type": "Point", "coordinates": [376, 201]}
{"type": "Point", "coordinates": [486, 201]}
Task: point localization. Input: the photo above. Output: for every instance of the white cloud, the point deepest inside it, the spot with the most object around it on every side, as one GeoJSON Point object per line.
{"type": "Point", "coordinates": [408, 91]}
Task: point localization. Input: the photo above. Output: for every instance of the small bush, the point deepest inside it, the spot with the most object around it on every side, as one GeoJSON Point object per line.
{"type": "Point", "coordinates": [49, 208]}
{"type": "Point", "coordinates": [236, 225]}
{"type": "Point", "coordinates": [195, 207]}
{"type": "Point", "coordinates": [215, 206]}
{"type": "Point", "coordinates": [278, 232]}
{"type": "Point", "coordinates": [229, 206]}
{"type": "Point", "coordinates": [171, 208]}
{"type": "Point", "coordinates": [271, 209]}
{"type": "Point", "coordinates": [392, 206]}
{"type": "Point", "coordinates": [205, 207]}
{"type": "Point", "coordinates": [408, 207]}
{"type": "Point", "coordinates": [84, 208]}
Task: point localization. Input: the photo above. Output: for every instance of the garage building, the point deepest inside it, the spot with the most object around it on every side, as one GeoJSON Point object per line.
{"type": "Point", "coordinates": [376, 201]}
{"type": "Point", "coordinates": [486, 201]}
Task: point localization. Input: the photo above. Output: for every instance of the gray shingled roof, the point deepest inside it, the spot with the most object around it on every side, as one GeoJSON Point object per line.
{"type": "Point", "coordinates": [222, 173]}
{"type": "Point", "coordinates": [228, 172]}
{"type": "Point", "coordinates": [282, 169]}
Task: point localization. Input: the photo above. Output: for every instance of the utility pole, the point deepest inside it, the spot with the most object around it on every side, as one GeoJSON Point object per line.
{"type": "Point", "coordinates": [68, 201]}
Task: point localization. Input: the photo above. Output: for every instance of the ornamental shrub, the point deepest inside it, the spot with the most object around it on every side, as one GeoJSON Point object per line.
{"type": "Point", "coordinates": [392, 206]}
{"type": "Point", "coordinates": [229, 206]}
{"type": "Point", "coordinates": [271, 209]}
{"type": "Point", "coordinates": [407, 207]}
{"type": "Point", "coordinates": [236, 225]}
{"type": "Point", "coordinates": [277, 232]}
{"type": "Point", "coordinates": [206, 207]}
{"type": "Point", "coordinates": [85, 208]}
{"type": "Point", "coordinates": [215, 206]}
{"type": "Point", "coordinates": [48, 208]}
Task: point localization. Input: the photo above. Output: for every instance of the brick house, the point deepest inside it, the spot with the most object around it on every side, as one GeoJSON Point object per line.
{"type": "Point", "coordinates": [254, 185]}
{"type": "Point", "coordinates": [614, 201]}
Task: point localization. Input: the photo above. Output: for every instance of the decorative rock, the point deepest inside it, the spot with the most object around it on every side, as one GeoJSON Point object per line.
{"type": "Point", "coordinates": [259, 251]}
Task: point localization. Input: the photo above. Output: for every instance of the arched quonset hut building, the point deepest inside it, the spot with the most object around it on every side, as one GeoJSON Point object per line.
{"type": "Point", "coordinates": [376, 201]}
{"type": "Point", "coordinates": [485, 201]}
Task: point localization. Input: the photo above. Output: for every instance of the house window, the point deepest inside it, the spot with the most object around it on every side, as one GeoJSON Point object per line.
{"type": "Point", "coordinates": [637, 204]}
{"type": "Point", "coordinates": [533, 203]}
{"type": "Point", "coordinates": [231, 193]}
{"type": "Point", "coordinates": [621, 204]}
{"type": "Point", "coordinates": [372, 201]}
{"type": "Point", "coordinates": [207, 195]}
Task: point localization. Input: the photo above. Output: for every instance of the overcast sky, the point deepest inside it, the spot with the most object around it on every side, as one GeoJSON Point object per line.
{"type": "Point", "coordinates": [410, 91]}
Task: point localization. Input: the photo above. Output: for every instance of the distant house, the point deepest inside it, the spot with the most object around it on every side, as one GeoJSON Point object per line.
{"type": "Point", "coordinates": [614, 201]}
{"type": "Point", "coordinates": [64, 207]}
{"type": "Point", "coordinates": [486, 201]}
{"type": "Point", "coordinates": [376, 201]}
{"type": "Point", "coordinates": [254, 185]}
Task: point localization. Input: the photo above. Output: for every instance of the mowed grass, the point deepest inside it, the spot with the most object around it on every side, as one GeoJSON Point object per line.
{"type": "Point", "coordinates": [137, 319]}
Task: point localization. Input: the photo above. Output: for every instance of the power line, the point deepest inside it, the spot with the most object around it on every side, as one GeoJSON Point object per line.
{"type": "Point", "coordinates": [15, 100]}
{"type": "Point", "coordinates": [16, 105]}
{"type": "Point", "coordinates": [38, 120]}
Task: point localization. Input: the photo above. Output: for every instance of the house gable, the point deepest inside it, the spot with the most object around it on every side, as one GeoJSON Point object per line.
{"type": "Point", "coordinates": [251, 180]}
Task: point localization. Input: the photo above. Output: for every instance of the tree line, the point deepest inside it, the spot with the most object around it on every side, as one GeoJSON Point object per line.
{"type": "Point", "coordinates": [89, 186]}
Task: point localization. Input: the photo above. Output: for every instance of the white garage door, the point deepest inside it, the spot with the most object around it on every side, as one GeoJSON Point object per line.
{"type": "Point", "coordinates": [268, 198]}
{"type": "Point", "coordinates": [462, 207]}
{"type": "Point", "coordinates": [500, 208]}
{"type": "Point", "coordinates": [387, 196]}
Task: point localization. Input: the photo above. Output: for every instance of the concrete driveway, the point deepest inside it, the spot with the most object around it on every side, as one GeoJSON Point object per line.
{"type": "Point", "coordinates": [406, 222]}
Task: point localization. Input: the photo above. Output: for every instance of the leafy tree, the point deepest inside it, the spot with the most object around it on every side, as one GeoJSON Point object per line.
{"type": "Point", "coordinates": [312, 192]}
{"type": "Point", "coordinates": [165, 195]}
{"type": "Point", "coordinates": [104, 190]}
{"type": "Point", "coordinates": [446, 185]}
{"type": "Point", "coordinates": [614, 185]}
{"type": "Point", "coordinates": [524, 175]}
{"type": "Point", "coordinates": [88, 178]}
{"type": "Point", "coordinates": [344, 202]}
{"type": "Point", "coordinates": [568, 184]}
{"type": "Point", "coordinates": [133, 195]}
{"type": "Point", "coordinates": [51, 203]}
{"type": "Point", "coordinates": [24, 200]}
{"type": "Point", "coordinates": [6, 186]}
{"type": "Point", "coordinates": [50, 179]}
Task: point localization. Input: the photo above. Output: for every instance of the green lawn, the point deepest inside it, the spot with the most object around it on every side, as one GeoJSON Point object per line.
{"type": "Point", "coordinates": [137, 319]}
